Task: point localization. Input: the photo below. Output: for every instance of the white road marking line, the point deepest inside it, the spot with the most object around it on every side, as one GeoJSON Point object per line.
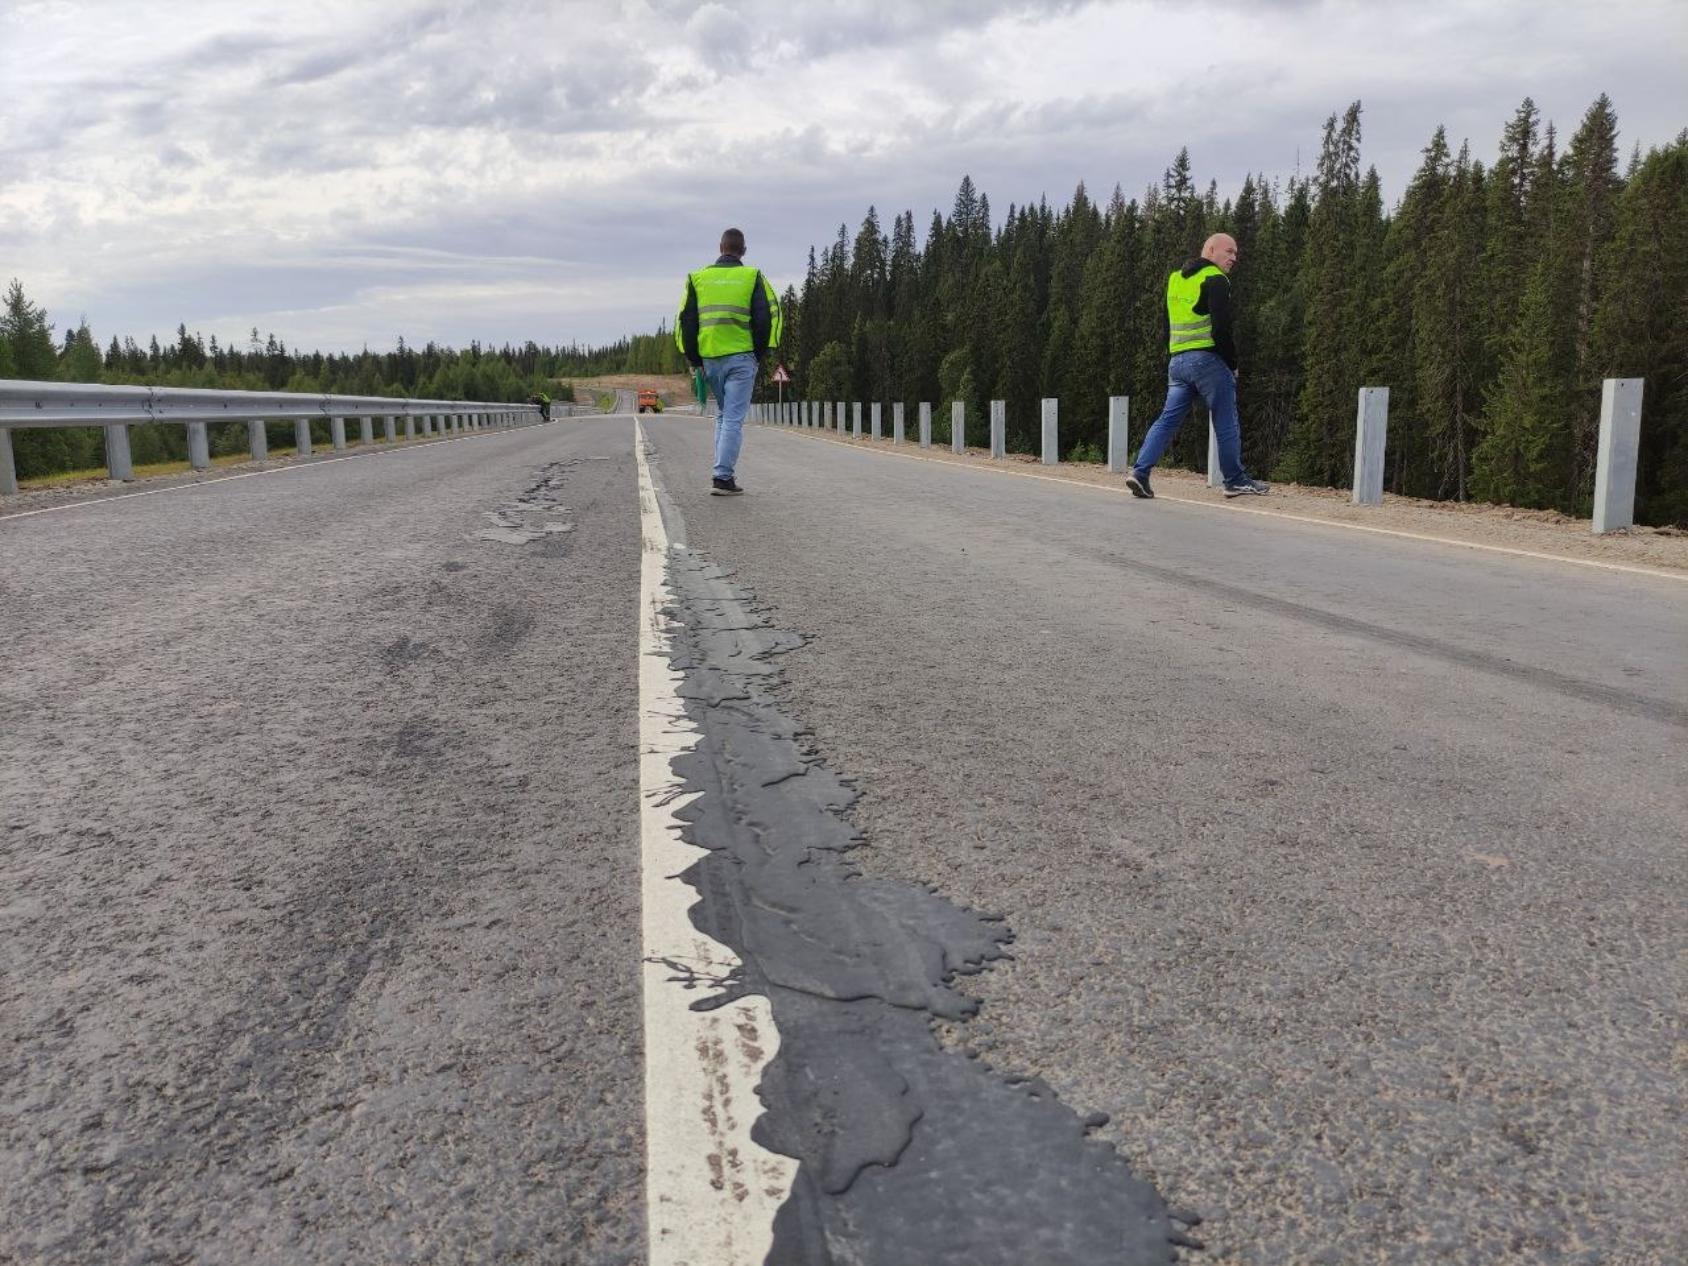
{"type": "Point", "coordinates": [1228, 508]}
{"type": "Point", "coordinates": [711, 1193]}
{"type": "Point", "coordinates": [410, 446]}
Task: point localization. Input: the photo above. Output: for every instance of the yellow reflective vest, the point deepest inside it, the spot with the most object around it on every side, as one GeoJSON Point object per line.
{"type": "Point", "coordinates": [1190, 330]}
{"type": "Point", "coordinates": [723, 310]}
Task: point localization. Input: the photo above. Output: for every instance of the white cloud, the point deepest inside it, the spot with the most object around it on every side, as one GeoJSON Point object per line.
{"type": "Point", "coordinates": [344, 173]}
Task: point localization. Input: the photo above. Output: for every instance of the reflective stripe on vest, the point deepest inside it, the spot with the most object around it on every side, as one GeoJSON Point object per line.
{"type": "Point", "coordinates": [1191, 331]}
{"type": "Point", "coordinates": [723, 309]}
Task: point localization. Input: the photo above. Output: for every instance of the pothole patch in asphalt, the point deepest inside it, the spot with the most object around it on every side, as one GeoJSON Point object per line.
{"type": "Point", "coordinates": [907, 1151]}
{"type": "Point", "coordinates": [534, 515]}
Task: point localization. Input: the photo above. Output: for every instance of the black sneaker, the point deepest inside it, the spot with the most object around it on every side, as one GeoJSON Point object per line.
{"type": "Point", "coordinates": [1246, 487]}
{"type": "Point", "coordinates": [725, 488]}
{"type": "Point", "coordinates": [1139, 485]}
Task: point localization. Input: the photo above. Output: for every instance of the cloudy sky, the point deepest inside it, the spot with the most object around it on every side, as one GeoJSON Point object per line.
{"type": "Point", "coordinates": [344, 172]}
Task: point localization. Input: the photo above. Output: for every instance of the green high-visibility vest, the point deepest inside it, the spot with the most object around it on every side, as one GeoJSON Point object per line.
{"type": "Point", "coordinates": [723, 310]}
{"type": "Point", "coordinates": [1191, 331]}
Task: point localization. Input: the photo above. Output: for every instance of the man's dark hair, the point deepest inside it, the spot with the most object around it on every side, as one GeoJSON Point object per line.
{"type": "Point", "coordinates": [732, 242]}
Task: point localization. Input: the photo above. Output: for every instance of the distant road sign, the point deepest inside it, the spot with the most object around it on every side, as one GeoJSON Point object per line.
{"type": "Point", "coordinates": [780, 376]}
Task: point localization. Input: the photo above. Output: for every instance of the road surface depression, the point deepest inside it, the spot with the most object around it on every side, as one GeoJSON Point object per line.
{"type": "Point", "coordinates": [907, 1152]}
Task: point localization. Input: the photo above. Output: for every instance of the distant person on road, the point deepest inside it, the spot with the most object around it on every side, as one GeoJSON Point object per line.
{"type": "Point", "coordinates": [1202, 344]}
{"type": "Point", "coordinates": [729, 321]}
{"type": "Point", "coordinates": [544, 403]}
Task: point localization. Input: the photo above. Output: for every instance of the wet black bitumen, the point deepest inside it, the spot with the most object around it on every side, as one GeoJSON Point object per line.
{"type": "Point", "coordinates": [908, 1152]}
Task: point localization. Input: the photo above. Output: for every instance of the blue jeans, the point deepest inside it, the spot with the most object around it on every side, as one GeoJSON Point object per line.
{"type": "Point", "coordinates": [731, 378]}
{"type": "Point", "coordinates": [1188, 375]}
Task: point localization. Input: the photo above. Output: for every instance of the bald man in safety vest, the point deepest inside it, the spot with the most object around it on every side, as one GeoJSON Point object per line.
{"type": "Point", "coordinates": [1203, 351]}
{"type": "Point", "coordinates": [729, 321]}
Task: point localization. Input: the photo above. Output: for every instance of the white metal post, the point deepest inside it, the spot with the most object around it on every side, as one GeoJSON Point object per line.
{"type": "Point", "coordinates": [388, 430]}
{"type": "Point", "coordinates": [1619, 454]}
{"type": "Point", "coordinates": [925, 424]}
{"type": "Point", "coordinates": [958, 426]}
{"type": "Point", "coordinates": [119, 464]}
{"type": "Point", "coordinates": [1371, 429]}
{"type": "Point", "coordinates": [258, 440]}
{"type": "Point", "coordinates": [999, 429]}
{"type": "Point", "coordinates": [1119, 432]}
{"type": "Point", "coordinates": [897, 422]}
{"type": "Point", "coordinates": [1051, 431]}
{"type": "Point", "coordinates": [366, 431]}
{"type": "Point", "coordinates": [1214, 477]}
{"type": "Point", "coordinates": [302, 437]}
{"type": "Point", "coordinates": [8, 466]}
{"type": "Point", "coordinates": [337, 432]}
{"type": "Point", "coordinates": [873, 411]}
{"type": "Point", "coordinates": [199, 446]}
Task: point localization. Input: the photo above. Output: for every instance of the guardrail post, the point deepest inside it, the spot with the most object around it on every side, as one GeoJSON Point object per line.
{"type": "Point", "coordinates": [8, 467]}
{"type": "Point", "coordinates": [1619, 453]}
{"type": "Point", "coordinates": [958, 426]}
{"type": "Point", "coordinates": [1371, 428]}
{"type": "Point", "coordinates": [873, 418]}
{"type": "Point", "coordinates": [1119, 431]}
{"type": "Point", "coordinates": [856, 419]}
{"type": "Point", "coordinates": [925, 423]}
{"type": "Point", "coordinates": [838, 419]}
{"type": "Point", "coordinates": [302, 437]}
{"type": "Point", "coordinates": [258, 440]}
{"type": "Point", "coordinates": [199, 446]}
{"type": "Point", "coordinates": [1051, 432]}
{"type": "Point", "coordinates": [897, 422]}
{"type": "Point", "coordinates": [409, 427]}
{"type": "Point", "coordinates": [999, 429]}
{"type": "Point", "coordinates": [366, 430]}
{"type": "Point", "coordinates": [388, 429]}
{"type": "Point", "coordinates": [337, 432]}
{"type": "Point", "coordinates": [119, 464]}
{"type": "Point", "coordinates": [1215, 477]}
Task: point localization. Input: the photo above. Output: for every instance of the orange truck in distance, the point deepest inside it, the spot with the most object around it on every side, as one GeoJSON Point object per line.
{"type": "Point", "coordinates": [650, 400]}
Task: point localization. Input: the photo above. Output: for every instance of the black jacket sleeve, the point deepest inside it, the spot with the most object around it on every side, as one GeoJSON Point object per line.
{"type": "Point", "coordinates": [761, 320]}
{"type": "Point", "coordinates": [1216, 297]}
{"type": "Point", "coordinates": [688, 326]}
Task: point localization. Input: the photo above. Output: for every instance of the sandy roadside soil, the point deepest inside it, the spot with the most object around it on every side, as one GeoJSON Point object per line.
{"type": "Point", "coordinates": [673, 388]}
{"type": "Point", "coordinates": [1497, 527]}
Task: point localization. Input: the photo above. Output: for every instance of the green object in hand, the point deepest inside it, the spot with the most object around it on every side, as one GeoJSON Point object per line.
{"type": "Point", "coordinates": [700, 387]}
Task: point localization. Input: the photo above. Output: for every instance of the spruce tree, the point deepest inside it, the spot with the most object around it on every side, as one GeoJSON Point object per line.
{"type": "Point", "coordinates": [1319, 447]}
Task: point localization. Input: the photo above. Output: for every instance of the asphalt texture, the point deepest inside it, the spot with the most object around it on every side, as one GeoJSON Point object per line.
{"type": "Point", "coordinates": [319, 915]}
{"type": "Point", "coordinates": [1346, 872]}
{"type": "Point", "coordinates": [907, 1152]}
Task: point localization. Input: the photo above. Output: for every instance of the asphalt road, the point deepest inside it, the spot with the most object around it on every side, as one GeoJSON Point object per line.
{"type": "Point", "coordinates": [1345, 873]}
{"type": "Point", "coordinates": [318, 885]}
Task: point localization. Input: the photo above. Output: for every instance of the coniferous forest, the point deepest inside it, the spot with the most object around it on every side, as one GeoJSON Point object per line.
{"type": "Point", "coordinates": [28, 350]}
{"type": "Point", "coordinates": [1492, 300]}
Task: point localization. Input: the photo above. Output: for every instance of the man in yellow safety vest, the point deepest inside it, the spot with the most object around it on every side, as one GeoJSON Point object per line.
{"type": "Point", "coordinates": [1203, 363]}
{"type": "Point", "coordinates": [728, 323]}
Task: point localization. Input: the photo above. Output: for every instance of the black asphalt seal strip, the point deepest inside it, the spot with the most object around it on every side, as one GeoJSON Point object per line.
{"type": "Point", "coordinates": [908, 1152]}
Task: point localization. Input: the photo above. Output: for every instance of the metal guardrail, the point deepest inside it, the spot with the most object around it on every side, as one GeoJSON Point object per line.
{"type": "Point", "coordinates": [26, 404]}
{"type": "Point", "coordinates": [1616, 465]}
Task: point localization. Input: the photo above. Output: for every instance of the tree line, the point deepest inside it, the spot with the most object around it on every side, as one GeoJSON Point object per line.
{"type": "Point", "coordinates": [29, 350]}
{"type": "Point", "coordinates": [1491, 300]}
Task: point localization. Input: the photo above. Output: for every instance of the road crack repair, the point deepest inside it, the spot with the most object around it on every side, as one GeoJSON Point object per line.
{"type": "Point", "coordinates": [907, 1151]}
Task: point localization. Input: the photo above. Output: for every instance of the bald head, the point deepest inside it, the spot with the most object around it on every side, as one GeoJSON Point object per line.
{"type": "Point", "coordinates": [1220, 249]}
